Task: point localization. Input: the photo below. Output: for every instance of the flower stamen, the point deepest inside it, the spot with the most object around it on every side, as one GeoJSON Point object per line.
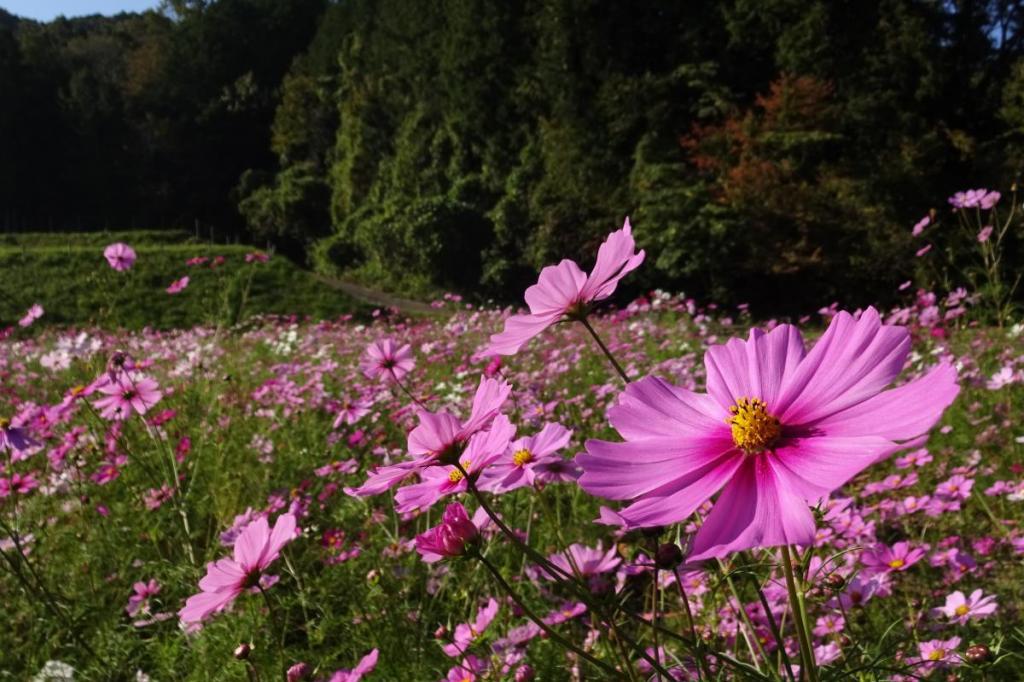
{"type": "Point", "coordinates": [753, 428]}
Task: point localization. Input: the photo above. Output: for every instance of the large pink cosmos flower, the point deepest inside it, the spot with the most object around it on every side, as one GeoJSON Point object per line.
{"type": "Point", "coordinates": [385, 359]}
{"type": "Point", "coordinates": [255, 549]}
{"type": "Point", "coordinates": [564, 290]}
{"type": "Point", "coordinates": [778, 428]}
{"type": "Point", "coordinates": [120, 256]}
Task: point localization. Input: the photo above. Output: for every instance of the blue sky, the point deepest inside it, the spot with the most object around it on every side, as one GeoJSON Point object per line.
{"type": "Point", "coordinates": [45, 10]}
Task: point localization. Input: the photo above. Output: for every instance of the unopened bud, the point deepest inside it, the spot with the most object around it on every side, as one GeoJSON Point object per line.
{"type": "Point", "coordinates": [835, 581]}
{"type": "Point", "coordinates": [242, 651]}
{"type": "Point", "coordinates": [978, 653]}
{"type": "Point", "coordinates": [299, 671]}
{"type": "Point", "coordinates": [668, 556]}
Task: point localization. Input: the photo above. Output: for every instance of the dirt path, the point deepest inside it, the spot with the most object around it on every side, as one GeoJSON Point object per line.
{"type": "Point", "coordinates": [378, 298]}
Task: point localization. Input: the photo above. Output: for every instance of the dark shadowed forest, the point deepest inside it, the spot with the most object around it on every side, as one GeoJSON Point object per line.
{"type": "Point", "coordinates": [770, 151]}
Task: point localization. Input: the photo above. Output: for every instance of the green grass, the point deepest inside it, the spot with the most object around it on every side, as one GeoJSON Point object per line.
{"type": "Point", "coordinates": [76, 286]}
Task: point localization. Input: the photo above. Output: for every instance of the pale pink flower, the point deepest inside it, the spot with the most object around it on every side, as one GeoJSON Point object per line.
{"type": "Point", "coordinates": [564, 291]}
{"type": "Point", "coordinates": [255, 549]}
{"type": "Point", "coordinates": [33, 314]}
{"type": "Point", "coordinates": [128, 393]}
{"type": "Point", "coordinates": [120, 256]}
{"type": "Point", "coordinates": [385, 359]}
{"type": "Point", "coordinates": [178, 285]}
{"type": "Point", "coordinates": [365, 666]}
{"type": "Point", "coordinates": [963, 609]}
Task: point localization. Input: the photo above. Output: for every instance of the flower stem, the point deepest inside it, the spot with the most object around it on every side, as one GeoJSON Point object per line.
{"type": "Point", "coordinates": [555, 637]}
{"type": "Point", "coordinates": [406, 390]}
{"type": "Point", "coordinates": [796, 603]}
{"type": "Point", "coordinates": [604, 349]}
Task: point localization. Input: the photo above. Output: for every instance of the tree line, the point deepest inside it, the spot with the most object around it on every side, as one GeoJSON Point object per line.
{"type": "Point", "coordinates": [768, 151]}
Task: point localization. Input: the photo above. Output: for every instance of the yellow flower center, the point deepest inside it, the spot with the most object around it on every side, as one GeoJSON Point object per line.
{"type": "Point", "coordinates": [455, 475]}
{"type": "Point", "coordinates": [753, 429]}
{"type": "Point", "coordinates": [4, 423]}
{"type": "Point", "coordinates": [962, 610]}
{"type": "Point", "coordinates": [77, 390]}
{"type": "Point", "coordinates": [937, 655]}
{"type": "Point", "coordinates": [897, 563]}
{"type": "Point", "coordinates": [522, 457]}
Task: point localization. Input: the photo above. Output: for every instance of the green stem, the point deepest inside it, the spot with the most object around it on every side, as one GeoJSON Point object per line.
{"type": "Point", "coordinates": [555, 637]}
{"type": "Point", "coordinates": [604, 349]}
{"type": "Point", "coordinates": [796, 603]}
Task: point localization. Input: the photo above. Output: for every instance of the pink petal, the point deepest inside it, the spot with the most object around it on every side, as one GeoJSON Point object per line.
{"type": "Point", "coordinates": [519, 329]}
{"type": "Point", "coordinates": [853, 361]}
{"type": "Point", "coordinates": [817, 466]}
{"type": "Point", "coordinates": [198, 607]}
{"type": "Point", "coordinates": [652, 408]}
{"type": "Point", "coordinates": [901, 413]}
{"type": "Point", "coordinates": [557, 288]}
{"type": "Point", "coordinates": [755, 368]}
{"type": "Point", "coordinates": [283, 533]}
{"type": "Point", "coordinates": [615, 259]}
{"type": "Point", "coordinates": [622, 471]}
{"type": "Point", "coordinates": [250, 545]}
{"type": "Point", "coordinates": [664, 507]}
{"type": "Point", "coordinates": [756, 509]}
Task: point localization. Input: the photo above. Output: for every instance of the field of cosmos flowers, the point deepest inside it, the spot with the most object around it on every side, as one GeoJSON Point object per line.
{"type": "Point", "coordinates": [664, 490]}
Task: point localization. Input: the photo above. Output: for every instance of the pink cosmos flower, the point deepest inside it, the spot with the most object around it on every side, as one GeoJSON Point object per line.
{"type": "Point", "coordinates": [17, 484]}
{"type": "Point", "coordinates": [962, 609]}
{"type": "Point", "coordinates": [257, 257]}
{"type": "Point", "coordinates": [984, 234]}
{"type": "Point", "coordinates": [120, 256]}
{"type": "Point", "coordinates": [365, 666]}
{"type": "Point", "coordinates": [178, 285]}
{"type": "Point", "coordinates": [255, 549]}
{"type": "Point", "coordinates": [140, 596]}
{"type": "Point", "coordinates": [518, 467]}
{"type": "Point", "coordinates": [466, 633]}
{"type": "Point", "coordinates": [128, 393]}
{"type": "Point", "coordinates": [33, 314]}
{"type": "Point", "coordinates": [779, 428]}
{"type": "Point", "coordinates": [923, 250]}
{"type": "Point", "coordinates": [885, 559]}
{"type": "Point", "coordinates": [450, 537]}
{"type": "Point", "coordinates": [585, 561]}
{"type": "Point", "coordinates": [920, 225]}
{"type": "Point", "coordinates": [385, 359]}
{"type": "Point", "coordinates": [441, 436]}
{"type": "Point", "coordinates": [935, 654]}
{"type": "Point", "coordinates": [564, 291]}
{"type": "Point", "coordinates": [440, 481]}
{"type": "Point", "coordinates": [14, 438]}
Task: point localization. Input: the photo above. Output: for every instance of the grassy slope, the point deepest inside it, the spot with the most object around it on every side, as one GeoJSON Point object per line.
{"type": "Point", "coordinates": [69, 277]}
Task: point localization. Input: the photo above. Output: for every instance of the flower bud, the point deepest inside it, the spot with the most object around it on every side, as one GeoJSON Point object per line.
{"type": "Point", "coordinates": [668, 556]}
{"type": "Point", "coordinates": [299, 671]}
{"type": "Point", "coordinates": [977, 654]}
{"type": "Point", "coordinates": [524, 673]}
{"type": "Point", "coordinates": [835, 581]}
{"type": "Point", "coordinates": [242, 651]}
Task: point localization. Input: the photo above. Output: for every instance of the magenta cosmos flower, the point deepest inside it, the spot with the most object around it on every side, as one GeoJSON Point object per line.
{"type": "Point", "coordinates": [525, 458]}
{"type": "Point", "coordinates": [450, 537]}
{"type": "Point", "coordinates": [385, 359]}
{"type": "Point", "coordinates": [564, 291]}
{"type": "Point", "coordinates": [14, 438]}
{"type": "Point", "coordinates": [778, 428]}
{"type": "Point", "coordinates": [364, 667]}
{"type": "Point", "coordinates": [962, 609]}
{"type": "Point", "coordinates": [126, 394]}
{"type": "Point", "coordinates": [178, 285]}
{"type": "Point", "coordinates": [120, 256]}
{"type": "Point", "coordinates": [255, 549]}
